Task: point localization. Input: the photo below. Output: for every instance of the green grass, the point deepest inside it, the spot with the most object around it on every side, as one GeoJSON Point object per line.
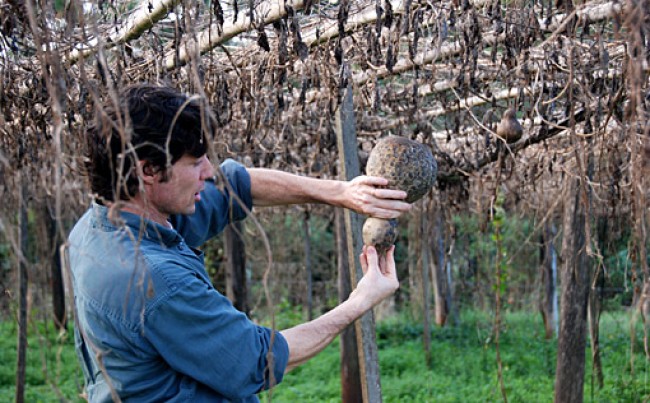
{"type": "Point", "coordinates": [463, 367]}
{"type": "Point", "coordinates": [52, 371]}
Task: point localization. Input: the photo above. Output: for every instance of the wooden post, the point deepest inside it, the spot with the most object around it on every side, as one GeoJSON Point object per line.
{"type": "Point", "coordinates": [22, 298]}
{"type": "Point", "coordinates": [423, 263]}
{"type": "Point", "coordinates": [365, 326]}
{"type": "Point", "coordinates": [56, 284]}
{"type": "Point", "coordinates": [439, 274]}
{"type": "Point", "coordinates": [307, 244]}
{"type": "Point", "coordinates": [569, 375]}
{"type": "Point", "coordinates": [548, 271]}
{"type": "Point", "coordinates": [350, 378]}
{"type": "Point", "coordinates": [415, 244]}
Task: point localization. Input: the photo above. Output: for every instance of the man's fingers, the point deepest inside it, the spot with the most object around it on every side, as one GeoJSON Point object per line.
{"type": "Point", "coordinates": [382, 263]}
{"type": "Point", "coordinates": [385, 259]}
{"type": "Point", "coordinates": [372, 180]}
{"type": "Point", "coordinates": [378, 192]}
{"type": "Point", "coordinates": [367, 195]}
{"type": "Point", "coordinates": [392, 210]}
{"type": "Point", "coordinates": [392, 205]}
{"type": "Point", "coordinates": [388, 268]}
{"type": "Point", "coordinates": [391, 194]}
{"type": "Point", "coordinates": [371, 257]}
{"type": "Point", "coordinates": [363, 260]}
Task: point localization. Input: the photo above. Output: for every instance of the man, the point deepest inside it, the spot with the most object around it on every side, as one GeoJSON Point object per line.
{"type": "Point", "coordinates": [150, 326]}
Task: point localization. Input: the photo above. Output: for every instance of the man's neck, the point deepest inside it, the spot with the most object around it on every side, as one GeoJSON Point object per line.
{"type": "Point", "coordinates": [145, 210]}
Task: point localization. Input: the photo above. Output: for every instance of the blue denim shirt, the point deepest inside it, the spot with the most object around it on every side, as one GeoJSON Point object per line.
{"type": "Point", "coordinates": [148, 312]}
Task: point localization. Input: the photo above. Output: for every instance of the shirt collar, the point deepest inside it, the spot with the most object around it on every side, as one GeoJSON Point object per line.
{"type": "Point", "coordinates": [109, 220]}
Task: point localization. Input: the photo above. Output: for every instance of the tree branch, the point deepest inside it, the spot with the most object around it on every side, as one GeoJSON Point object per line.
{"type": "Point", "coordinates": [452, 173]}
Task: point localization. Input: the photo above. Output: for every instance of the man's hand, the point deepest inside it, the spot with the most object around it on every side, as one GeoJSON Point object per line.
{"type": "Point", "coordinates": [379, 281]}
{"type": "Point", "coordinates": [379, 275]}
{"type": "Point", "coordinates": [364, 195]}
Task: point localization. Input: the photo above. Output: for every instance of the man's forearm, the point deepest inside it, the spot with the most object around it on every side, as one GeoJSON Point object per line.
{"type": "Point", "coordinates": [276, 188]}
{"type": "Point", "coordinates": [308, 339]}
{"type": "Point", "coordinates": [364, 194]}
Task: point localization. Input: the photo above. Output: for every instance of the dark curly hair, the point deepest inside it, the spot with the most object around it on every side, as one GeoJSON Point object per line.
{"type": "Point", "coordinates": [151, 123]}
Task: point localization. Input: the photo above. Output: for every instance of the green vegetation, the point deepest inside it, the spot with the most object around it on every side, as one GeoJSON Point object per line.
{"type": "Point", "coordinates": [463, 367]}
{"type": "Point", "coordinates": [52, 371]}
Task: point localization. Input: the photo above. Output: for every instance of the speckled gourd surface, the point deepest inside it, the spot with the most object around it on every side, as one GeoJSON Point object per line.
{"type": "Point", "coordinates": [408, 166]}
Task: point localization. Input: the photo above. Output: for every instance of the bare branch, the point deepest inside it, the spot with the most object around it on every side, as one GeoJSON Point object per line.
{"type": "Point", "coordinates": [545, 132]}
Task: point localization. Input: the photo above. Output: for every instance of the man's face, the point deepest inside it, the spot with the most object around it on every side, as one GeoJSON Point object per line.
{"type": "Point", "coordinates": [180, 192]}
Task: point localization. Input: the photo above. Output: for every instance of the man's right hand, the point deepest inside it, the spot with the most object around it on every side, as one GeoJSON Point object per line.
{"type": "Point", "coordinates": [378, 282]}
{"type": "Point", "coordinates": [379, 275]}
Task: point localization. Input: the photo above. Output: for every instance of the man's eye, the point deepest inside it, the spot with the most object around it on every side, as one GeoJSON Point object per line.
{"type": "Point", "coordinates": [200, 161]}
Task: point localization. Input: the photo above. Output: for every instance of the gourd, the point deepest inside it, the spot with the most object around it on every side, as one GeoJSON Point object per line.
{"type": "Point", "coordinates": [407, 165]}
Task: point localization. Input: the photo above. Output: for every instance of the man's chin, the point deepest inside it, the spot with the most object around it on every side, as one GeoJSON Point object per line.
{"type": "Point", "coordinates": [189, 210]}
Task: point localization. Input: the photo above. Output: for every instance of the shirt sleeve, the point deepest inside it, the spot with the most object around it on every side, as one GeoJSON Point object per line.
{"type": "Point", "coordinates": [199, 333]}
{"type": "Point", "coordinates": [222, 202]}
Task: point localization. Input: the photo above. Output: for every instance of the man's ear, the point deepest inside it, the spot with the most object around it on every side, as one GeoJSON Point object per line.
{"type": "Point", "coordinates": [147, 172]}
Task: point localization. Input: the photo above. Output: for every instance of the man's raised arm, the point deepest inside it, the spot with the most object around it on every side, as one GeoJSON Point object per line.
{"type": "Point", "coordinates": [362, 194]}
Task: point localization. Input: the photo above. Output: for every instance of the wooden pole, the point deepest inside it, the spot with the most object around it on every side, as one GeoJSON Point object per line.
{"type": "Point", "coordinates": [415, 245]}
{"type": "Point", "coordinates": [56, 284]}
{"type": "Point", "coordinates": [22, 298]}
{"type": "Point", "coordinates": [365, 326]}
{"type": "Point", "coordinates": [438, 266]}
{"type": "Point", "coordinates": [308, 272]}
{"type": "Point", "coordinates": [548, 297]}
{"type": "Point", "coordinates": [350, 378]}
{"type": "Point", "coordinates": [569, 375]}
{"type": "Point", "coordinates": [423, 263]}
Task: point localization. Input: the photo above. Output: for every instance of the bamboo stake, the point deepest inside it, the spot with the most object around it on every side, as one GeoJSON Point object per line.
{"type": "Point", "coordinates": [367, 16]}
{"type": "Point", "coordinates": [269, 12]}
{"type": "Point", "coordinates": [148, 13]}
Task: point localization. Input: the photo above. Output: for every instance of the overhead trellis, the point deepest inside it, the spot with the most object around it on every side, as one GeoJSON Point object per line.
{"type": "Point", "coordinates": [272, 72]}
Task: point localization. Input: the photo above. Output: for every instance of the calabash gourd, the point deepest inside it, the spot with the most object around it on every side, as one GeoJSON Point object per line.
{"type": "Point", "coordinates": [407, 165]}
